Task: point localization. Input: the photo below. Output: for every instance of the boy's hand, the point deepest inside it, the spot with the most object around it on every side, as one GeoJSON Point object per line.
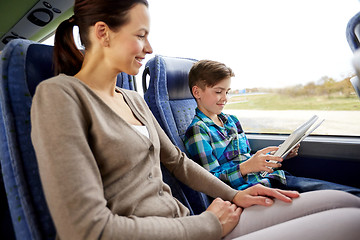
{"type": "Point", "coordinates": [261, 195]}
{"type": "Point", "coordinates": [227, 213]}
{"type": "Point", "coordinates": [260, 162]}
{"type": "Point", "coordinates": [293, 152]}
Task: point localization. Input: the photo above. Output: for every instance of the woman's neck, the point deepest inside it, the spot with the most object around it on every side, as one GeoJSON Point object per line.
{"type": "Point", "coordinates": [97, 76]}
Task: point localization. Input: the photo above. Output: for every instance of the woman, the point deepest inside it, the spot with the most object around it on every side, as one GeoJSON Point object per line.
{"type": "Point", "coordinates": [99, 147]}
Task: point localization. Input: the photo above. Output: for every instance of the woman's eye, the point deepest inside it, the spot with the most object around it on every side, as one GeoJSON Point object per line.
{"type": "Point", "coordinates": [141, 36]}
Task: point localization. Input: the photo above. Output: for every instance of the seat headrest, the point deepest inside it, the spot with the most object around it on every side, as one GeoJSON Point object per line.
{"type": "Point", "coordinates": [353, 32]}
{"type": "Point", "coordinates": [177, 72]}
{"type": "Point", "coordinates": [39, 65]}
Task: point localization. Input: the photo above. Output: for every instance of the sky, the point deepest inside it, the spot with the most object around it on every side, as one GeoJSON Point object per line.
{"type": "Point", "coordinates": [268, 43]}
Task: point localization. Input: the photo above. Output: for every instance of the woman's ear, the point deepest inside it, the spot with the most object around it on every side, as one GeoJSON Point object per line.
{"type": "Point", "coordinates": [102, 33]}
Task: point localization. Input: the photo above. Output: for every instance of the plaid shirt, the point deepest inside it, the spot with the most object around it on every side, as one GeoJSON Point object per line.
{"type": "Point", "coordinates": [220, 150]}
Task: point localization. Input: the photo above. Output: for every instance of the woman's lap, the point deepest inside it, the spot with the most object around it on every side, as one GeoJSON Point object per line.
{"type": "Point", "coordinates": [334, 224]}
{"type": "Point", "coordinates": [258, 217]}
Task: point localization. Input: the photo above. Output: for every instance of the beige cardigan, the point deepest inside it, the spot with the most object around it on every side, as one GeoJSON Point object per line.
{"type": "Point", "coordinates": [102, 178]}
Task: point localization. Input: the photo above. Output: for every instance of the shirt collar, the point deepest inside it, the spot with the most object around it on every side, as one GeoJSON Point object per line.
{"type": "Point", "coordinates": [208, 120]}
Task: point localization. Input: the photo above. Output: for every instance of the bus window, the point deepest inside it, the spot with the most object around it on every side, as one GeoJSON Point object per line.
{"type": "Point", "coordinates": [291, 58]}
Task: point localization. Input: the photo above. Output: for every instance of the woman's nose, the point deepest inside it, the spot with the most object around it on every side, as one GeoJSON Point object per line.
{"type": "Point", "coordinates": [147, 48]}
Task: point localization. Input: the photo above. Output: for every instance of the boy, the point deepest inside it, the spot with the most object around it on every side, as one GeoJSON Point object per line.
{"type": "Point", "coordinates": [217, 141]}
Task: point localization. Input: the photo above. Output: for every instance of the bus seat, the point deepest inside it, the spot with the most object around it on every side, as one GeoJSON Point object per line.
{"type": "Point", "coordinates": [168, 97]}
{"type": "Point", "coordinates": [353, 32]}
{"type": "Point", "coordinates": [353, 38]}
{"type": "Point", "coordinates": [126, 81]}
{"type": "Point", "coordinates": [23, 65]}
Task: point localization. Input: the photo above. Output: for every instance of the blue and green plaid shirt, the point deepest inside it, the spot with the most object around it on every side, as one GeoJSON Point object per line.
{"type": "Point", "coordinates": [220, 150]}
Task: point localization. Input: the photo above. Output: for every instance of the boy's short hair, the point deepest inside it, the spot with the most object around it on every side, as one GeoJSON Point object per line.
{"type": "Point", "coordinates": [207, 73]}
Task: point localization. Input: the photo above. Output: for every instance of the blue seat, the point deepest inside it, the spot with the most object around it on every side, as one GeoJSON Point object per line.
{"type": "Point", "coordinates": [168, 96]}
{"type": "Point", "coordinates": [23, 65]}
{"type": "Point", "coordinates": [126, 81]}
{"type": "Point", "coordinates": [353, 38]}
{"type": "Point", "coordinates": [353, 32]}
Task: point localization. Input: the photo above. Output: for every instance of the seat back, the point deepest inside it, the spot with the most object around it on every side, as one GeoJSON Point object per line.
{"type": "Point", "coordinates": [24, 64]}
{"type": "Point", "coordinates": [355, 80]}
{"type": "Point", "coordinates": [126, 81]}
{"type": "Point", "coordinates": [353, 38]}
{"type": "Point", "coordinates": [353, 32]}
{"type": "Point", "coordinates": [168, 96]}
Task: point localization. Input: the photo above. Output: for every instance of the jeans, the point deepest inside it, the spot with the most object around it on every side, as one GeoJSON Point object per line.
{"type": "Point", "coordinates": [302, 184]}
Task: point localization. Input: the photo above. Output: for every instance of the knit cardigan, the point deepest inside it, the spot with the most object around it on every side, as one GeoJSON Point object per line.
{"type": "Point", "coordinates": [102, 178]}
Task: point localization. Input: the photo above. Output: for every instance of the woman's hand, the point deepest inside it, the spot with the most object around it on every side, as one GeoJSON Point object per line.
{"type": "Point", "coordinates": [260, 162]}
{"type": "Point", "coordinates": [293, 152]}
{"type": "Point", "coordinates": [261, 195]}
{"type": "Point", "coordinates": [227, 213]}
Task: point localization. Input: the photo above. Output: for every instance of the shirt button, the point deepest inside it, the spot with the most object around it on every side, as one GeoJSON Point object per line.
{"type": "Point", "coordinates": [151, 148]}
{"type": "Point", "coordinates": [161, 192]}
{"type": "Point", "coordinates": [150, 176]}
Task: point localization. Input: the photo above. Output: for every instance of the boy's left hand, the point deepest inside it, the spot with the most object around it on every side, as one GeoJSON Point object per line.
{"type": "Point", "coordinates": [293, 152]}
{"type": "Point", "coordinates": [261, 195]}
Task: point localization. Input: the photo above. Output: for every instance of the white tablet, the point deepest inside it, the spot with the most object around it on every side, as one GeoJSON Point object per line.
{"type": "Point", "coordinates": [295, 138]}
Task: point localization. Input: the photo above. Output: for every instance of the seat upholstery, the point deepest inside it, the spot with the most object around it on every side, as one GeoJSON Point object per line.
{"type": "Point", "coordinates": [23, 65]}
{"type": "Point", "coordinates": [126, 81]}
{"type": "Point", "coordinates": [353, 38]}
{"type": "Point", "coordinates": [168, 95]}
{"type": "Point", "coordinates": [169, 98]}
{"type": "Point", "coordinates": [353, 32]}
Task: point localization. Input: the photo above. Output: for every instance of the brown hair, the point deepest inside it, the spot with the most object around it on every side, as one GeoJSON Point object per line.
{"type": "Point", "coordinates": [207, 73]}
{"type": "Point", "coordinates": [67, 57]}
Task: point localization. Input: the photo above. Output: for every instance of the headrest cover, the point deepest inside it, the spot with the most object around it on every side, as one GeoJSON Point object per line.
{"type": "Point", "coordinates": [177, 72]}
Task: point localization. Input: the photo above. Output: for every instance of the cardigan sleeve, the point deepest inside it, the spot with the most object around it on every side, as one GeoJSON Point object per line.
{"type": "Point", "coordinates": [72, 182]}
{"type": "Point", "coordinates": [189, 172]}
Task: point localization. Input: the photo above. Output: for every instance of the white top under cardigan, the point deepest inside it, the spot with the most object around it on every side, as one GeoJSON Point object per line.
{"type": "Point", "coordinates": [142, 129]}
